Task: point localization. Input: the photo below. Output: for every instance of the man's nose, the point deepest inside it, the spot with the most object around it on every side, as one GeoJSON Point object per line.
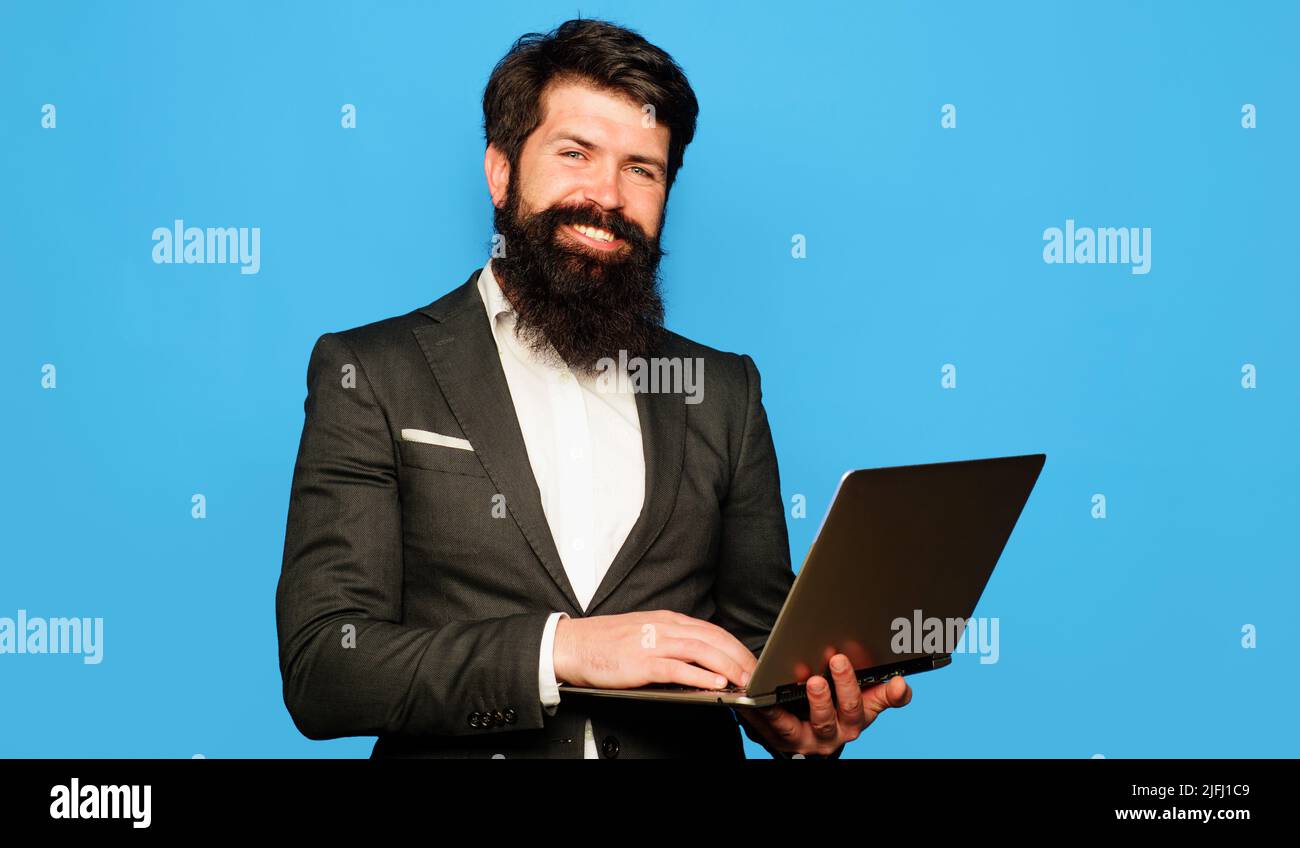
{"type": "Point", "coordinates": [603, 189]}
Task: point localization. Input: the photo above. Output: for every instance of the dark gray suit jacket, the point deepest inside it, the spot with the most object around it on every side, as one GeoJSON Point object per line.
{"type": "Point", "coordinates": [406, 610]}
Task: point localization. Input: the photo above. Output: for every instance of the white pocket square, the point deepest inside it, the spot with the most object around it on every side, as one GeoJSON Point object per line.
{"type": "Point", "coordinates": [428, 438]}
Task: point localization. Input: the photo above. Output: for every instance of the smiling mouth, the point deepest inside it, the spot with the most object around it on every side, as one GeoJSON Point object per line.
{"type": "Point", "coordinates": [594, 237]}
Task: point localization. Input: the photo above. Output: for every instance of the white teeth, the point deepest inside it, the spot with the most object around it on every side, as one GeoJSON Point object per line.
{"type": "Point", "coordinates": [592, 232]}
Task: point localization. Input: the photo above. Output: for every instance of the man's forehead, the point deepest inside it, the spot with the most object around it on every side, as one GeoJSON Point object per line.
{"type": "Point", "coordinates": [574, 106]}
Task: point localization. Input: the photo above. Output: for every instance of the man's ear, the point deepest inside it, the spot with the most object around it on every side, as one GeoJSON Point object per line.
{"type": "Point", "coordinates": [496, 167]}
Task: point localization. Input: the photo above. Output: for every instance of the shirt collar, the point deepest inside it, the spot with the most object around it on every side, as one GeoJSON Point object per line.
{"type": "Point", "coordinates": [494, 300]}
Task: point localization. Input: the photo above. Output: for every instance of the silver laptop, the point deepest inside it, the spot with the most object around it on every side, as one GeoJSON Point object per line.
{"type": "Point", "coordinates": [910, 543]}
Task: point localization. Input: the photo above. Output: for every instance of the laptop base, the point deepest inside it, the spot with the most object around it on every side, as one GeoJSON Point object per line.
{"type": "Point", "coordinates": [739, 696]}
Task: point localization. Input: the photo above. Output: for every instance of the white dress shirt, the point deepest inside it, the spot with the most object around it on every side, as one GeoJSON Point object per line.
{"type": "Point", "coordinates": [584, 445]}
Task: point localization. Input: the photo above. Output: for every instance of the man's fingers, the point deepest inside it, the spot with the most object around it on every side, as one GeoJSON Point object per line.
{"type": "Point", "coordinates": [899, 695]}
{"type": "Point", "coordinates": [719, 638]}
{"type": "Point", "coordinates": [848, 694]}
{"type": "Point", "coordinates": [784, 725]}
{"type": "Point", "coordinates": [669, 670]}
{"type": "Point", "coordinates": [907, 695]}
{"type": "Point", "coordinates": [703, 654]}
{"type": "Point", "coordinates": [821, 711]}
{"type": "Point", "coordinates": [892, 693]}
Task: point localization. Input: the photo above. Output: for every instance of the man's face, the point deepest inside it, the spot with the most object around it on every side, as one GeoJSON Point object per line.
{"type": "Point", "coordinates": [581, 217]}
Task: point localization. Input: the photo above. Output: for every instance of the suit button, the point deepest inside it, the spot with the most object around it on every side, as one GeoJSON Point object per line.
{"type": "Point", "coordinates": [475, 720]}
{"type": "Point", "coordinates": [609, 747]}
{"type": "Point", "coordinates": [487, 719]}
{"type": "Point", "coordinates": [510, 716]}
{"type": "Point", "coordinates": [498, 718]}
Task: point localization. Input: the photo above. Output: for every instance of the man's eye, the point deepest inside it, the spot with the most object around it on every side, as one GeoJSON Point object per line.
{"type": "Point", "coordinates": [567, 152]}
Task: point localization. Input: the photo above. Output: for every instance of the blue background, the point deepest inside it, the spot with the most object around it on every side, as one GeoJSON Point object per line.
{"type": "Point", "coordinates": [1119, 637]}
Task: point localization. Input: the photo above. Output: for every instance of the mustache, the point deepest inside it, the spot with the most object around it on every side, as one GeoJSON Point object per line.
{"type": "Point", "coordinates": [589, 216]}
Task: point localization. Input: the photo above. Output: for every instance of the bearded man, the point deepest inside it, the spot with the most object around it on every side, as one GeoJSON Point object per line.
{"type": "Point", "coordinates": [477, 518]}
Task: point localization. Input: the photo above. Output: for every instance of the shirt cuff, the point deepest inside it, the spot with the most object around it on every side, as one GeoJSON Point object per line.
{"type": "Point", "coordinates": [547, 685]}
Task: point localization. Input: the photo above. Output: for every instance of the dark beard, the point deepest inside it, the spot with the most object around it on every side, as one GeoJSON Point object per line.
{"type": "Point", "coordinates": [571, 298]}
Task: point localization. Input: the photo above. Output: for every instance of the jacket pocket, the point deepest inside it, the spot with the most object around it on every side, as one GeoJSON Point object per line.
{"type": "Point", "coordinates": [440, 458]}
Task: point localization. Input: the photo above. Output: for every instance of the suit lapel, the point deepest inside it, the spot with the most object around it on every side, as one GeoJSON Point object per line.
{"type": "Point", "coordinates": [463, 356]}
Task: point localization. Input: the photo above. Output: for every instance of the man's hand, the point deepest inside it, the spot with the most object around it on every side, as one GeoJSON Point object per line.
{"type": "Point", "coordinates": [829, 725]}
{"type": "Point", "coordinates": [640, 648]}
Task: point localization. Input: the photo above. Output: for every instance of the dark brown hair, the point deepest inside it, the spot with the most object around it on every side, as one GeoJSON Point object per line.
{"type": "Point", "coordinates": [601, 54]}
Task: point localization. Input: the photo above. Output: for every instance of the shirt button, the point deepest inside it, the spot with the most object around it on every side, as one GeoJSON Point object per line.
{"type": "Point", "coordinates": [576, 453]}
{"type": "Point", "coordinates": [577, 544]}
